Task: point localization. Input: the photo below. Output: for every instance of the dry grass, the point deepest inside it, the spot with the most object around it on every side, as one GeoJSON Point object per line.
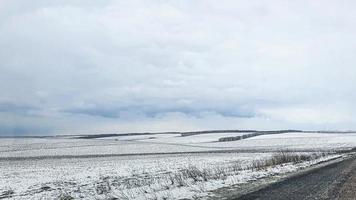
{"type": "Point", "coordinates": [282, 158]}
{"type": "Point", "coordinates": [158, 186]}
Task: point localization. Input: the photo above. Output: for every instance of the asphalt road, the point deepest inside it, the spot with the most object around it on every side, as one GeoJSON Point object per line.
{"type": "Point", "coordinates": [333, 182]}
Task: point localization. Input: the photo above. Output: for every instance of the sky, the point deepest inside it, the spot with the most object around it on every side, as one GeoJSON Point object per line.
{"type": "Point", "coordinates": [83, 67]}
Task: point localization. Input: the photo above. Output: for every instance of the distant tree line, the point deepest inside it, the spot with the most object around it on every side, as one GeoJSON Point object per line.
{"type": "Point", "coordinates": [249, 135]}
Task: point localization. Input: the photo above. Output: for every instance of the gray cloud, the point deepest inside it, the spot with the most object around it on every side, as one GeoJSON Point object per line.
{"type": "Point", "coordinates": [24, 130]}
{"type": "Point", "coordinates": [153, 110]}
{"type": "Point", "coordinates": [122, 65]}
{"type": "Point", "coordinates": [10, 107]}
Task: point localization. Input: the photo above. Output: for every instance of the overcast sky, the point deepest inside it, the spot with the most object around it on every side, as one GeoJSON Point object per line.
{"type": "Point", "coordinates": [126, 66]}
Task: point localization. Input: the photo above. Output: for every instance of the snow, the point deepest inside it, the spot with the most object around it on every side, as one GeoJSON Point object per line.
{"type": "Point", "coordinates": [293, 141]}
{"type": "Point", "coordinates": [177, 138]}
{"type": "Point", "coordinates": [26, 175]}
{"type": "Point", "coordinates": [81, 178]}
{"type": "Point", "coordinates": [172, 143]}
{"type": "Point", "coordinates": [140, 137]}
{"type": "Point", "coordinates": [134, 168]}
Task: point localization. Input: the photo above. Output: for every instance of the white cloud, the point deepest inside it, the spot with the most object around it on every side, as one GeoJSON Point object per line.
{"type": "Point", "coordinates": [305, 115]}
{"type": "Point", "coordinates": [247, 62]}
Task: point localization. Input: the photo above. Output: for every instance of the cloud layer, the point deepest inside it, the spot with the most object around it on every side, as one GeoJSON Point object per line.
{"type": "Point", "coordinates": [118, 66]}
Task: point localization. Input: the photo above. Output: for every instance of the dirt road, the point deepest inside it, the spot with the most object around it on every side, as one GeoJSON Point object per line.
{"type": "Point", "coordinates": [333, 182]}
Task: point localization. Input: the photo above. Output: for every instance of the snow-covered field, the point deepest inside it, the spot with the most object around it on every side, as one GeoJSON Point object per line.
{"type": "Point", "coordinates": [66, 175]}
{"type": "Point", "coordinates": [135, 168]}
{"type": "Point", "coordinates": [176, 138]}
{"type": "Point", "coordinates": [294, 141]}
{"type": "Point", "coordinates": [171, 143]}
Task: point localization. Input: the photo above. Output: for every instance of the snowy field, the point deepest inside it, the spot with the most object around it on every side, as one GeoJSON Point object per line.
{"type": "Point", "coordinates": [173, 143]}
{"type": "Point", "coordinates": [27, 177]}
{"type": "Point", "coordinates": [133, 167]}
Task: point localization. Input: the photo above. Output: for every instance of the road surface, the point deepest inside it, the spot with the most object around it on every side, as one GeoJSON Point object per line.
{"type": "Point", "coordinates": [333, 182]}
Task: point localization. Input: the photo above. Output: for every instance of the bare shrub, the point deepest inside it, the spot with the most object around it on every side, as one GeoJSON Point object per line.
{"type": "Point", "coordinates": [177, 179]}
{"type": "Point", "coordinates": [195, 173]}
{"type": "Point", "coordinates": [65, 196]}
{"type": "Point", "coordinates": [283, 157]}
{"type": "Point", "coordinates": [236, 167]}
{"type": "Point", "coordinates": [218, 172]}
{"type": "Point", "coordinates": [103, 187]}
{"type": "Point", "coordinates": [126, 195]}
{"type": "Point", "coordinates": [7, 194]}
